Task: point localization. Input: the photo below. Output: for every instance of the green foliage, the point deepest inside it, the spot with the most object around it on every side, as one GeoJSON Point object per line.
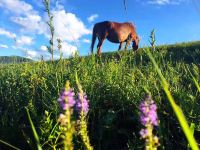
{"type": "Point", "coordinates": [177, 110]}
{"type": "Point", "coordinates": [49, 132]}
{"type": "Point", "coordinates": [152, 40]}
{"type": "Point", "coordinates": [114, 85]}
{"type": "Point", "coordinates": [51, 27]}
{"type": "Point", "coordinates": [34, 131]}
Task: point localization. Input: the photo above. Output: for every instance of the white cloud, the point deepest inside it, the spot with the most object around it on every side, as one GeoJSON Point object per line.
{"type": "Point", "coordinates": [68, 27]}
{"type": "Point", "coordinates": [31, 23]}
{"type": "Point", "coordinates": [16, 6]}
{"type": "Point", "coordinates": [159, 2]}
{"type": "Point", "coordinates": [28, 53]}
{"type": "Point", "coordinates": [3, 46]}
{"type": "Point", "coordinates": [68, 49]}
{"type": "Point", "coordinates": [43, 48]}
{"type": "Point", "coordinates": [25, 16]}
{"type": "Point", "coordinates": [7, 33]}
{"type": "Point", "coordinates": [13, 47]}
{"type": "Point", "coordinates": [86, 41]}
{"type": "Point", "coordinates": [165, 2]}
{"type": "Point", "coordinates": [31, 54]}
{"type": "Point", "coordinates": [92, 17]}
{"type": "Point", "coordinates": [24, 40]}
{"type": "Point", "coordinates": [58, 5]}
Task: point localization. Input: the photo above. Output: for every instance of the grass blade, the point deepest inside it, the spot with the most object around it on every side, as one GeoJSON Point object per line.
{"type": "Point", "coordinates": [34, 131]}
{"type": "Point", "coordinates": [193, 78]}
{"type": "Point", "coordinates": [9, 145]}
{"type": "Point", "coordinates": [192, 127]}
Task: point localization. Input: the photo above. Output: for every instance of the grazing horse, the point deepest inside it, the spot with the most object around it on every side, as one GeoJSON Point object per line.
{"type": "Point", "coordinates": [115, 32]}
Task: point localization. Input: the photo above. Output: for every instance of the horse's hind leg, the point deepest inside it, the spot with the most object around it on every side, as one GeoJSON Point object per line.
{"type": "Point", "coordinates": [99, 46]}
{"type": "Point", "coordinates": [120, 45]}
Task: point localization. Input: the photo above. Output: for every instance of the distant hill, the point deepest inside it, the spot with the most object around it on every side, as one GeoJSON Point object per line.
{"type": "Point", "coordinates": [13, 59]}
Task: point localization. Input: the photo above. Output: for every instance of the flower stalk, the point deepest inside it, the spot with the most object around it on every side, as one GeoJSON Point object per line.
{"type": "Point", "coordinates": [149, 119]}
{"type": "Point", "coordinates": [67, 103]}
{"type": "Point", "coordinates": [83, 108]}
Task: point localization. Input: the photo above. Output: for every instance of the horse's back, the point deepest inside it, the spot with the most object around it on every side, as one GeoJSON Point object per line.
{"type": "Point", "coordinates": [104, 24]}
{"type": "Point", "coordinates": [112, 25]}
{"type": "Point", "coordinates": [102, 27]}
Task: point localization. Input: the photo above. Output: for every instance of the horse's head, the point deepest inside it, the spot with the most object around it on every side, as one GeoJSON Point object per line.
{"type": "Point", "coordinates": [134, 37]}
{"type": "Point", "coordinates": [135, 42]}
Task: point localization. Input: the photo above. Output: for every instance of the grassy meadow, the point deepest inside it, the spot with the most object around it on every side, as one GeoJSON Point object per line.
{"type": "Point", "coordinates": [115, 85]}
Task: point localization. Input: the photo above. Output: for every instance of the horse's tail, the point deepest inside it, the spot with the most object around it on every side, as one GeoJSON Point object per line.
{"type": "Point", "coordinates": [94, 35]}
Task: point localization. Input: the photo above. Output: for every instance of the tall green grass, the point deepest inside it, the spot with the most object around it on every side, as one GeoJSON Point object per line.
{"type": "Point", "coordinates": [114, 85]}
{"type": "Point", "coordinates": [177, 110]}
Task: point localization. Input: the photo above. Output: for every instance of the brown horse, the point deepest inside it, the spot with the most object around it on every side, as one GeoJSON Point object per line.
{"type": "Point", "coordinates": [115, 32]}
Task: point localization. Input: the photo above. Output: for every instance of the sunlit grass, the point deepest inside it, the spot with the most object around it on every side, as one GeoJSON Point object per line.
{"type": "Point", "coordinates": [114, 87]}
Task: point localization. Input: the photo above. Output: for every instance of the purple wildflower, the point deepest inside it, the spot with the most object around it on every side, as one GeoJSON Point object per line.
{"type": "Point", "coordinates": [148, 112]}
{"type": "Point", "coordinates": [144, 133]}
{"type": "Point", "coordinates": [149, 119]}
{"type": "Point", "coordinates": [82, 104]}
{"type": "Point", "coordinates": [66, 99]}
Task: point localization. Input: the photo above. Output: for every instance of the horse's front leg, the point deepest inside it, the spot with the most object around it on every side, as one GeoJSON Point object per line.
{"type": "Point", "coordinates": [120, 45]}
{"type": "Point", "coordinates": [127, 44]}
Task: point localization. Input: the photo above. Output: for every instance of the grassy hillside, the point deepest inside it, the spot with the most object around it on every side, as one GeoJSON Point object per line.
{"type": "Point", "coordinates": [186, 51]}
{"type": "Point", "coordinates": [13, 59]}
{"type": "Point", "coordinates": [115, 85]}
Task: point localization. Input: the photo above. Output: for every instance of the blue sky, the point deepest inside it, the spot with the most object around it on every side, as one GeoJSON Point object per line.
{"type": "Point", "coordinates": [23, 29]}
